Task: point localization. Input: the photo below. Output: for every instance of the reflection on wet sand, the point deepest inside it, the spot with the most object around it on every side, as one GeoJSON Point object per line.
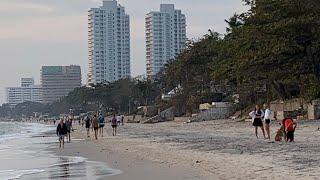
{"type": "Point", "coordinates": [62, 169]}
{"type": "Point", "coordinates": [67, 168]}
{"type": "Point", "coordinates": [75, 168]}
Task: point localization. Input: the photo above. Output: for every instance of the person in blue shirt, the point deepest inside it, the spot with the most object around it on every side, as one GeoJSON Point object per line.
{"type": "Point", "coordinates": [101, 124]}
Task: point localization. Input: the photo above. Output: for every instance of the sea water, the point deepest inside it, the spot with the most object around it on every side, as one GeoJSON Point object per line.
{"type": "Point", "coordinates": [24, 155]}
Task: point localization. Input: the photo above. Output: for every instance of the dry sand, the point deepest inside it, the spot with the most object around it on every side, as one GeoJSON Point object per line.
{"type": "Point", "coordinates": [221, 149]}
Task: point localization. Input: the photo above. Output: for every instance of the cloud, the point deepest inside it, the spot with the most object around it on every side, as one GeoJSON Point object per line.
{"type": "Point", "coordinates": [18, 7]}
{"type": "Point", "coordinates": [56, 28]}
{"type": "Point", "coordinates": [96, 1]}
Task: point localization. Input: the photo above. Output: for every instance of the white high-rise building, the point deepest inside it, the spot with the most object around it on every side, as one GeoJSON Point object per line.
{"type": "Point", "coordinates": [28, 92]}
{"type": "Point", "coordinates": [109, 43]}
{"type": "Point", "coordinates": [165, 37]}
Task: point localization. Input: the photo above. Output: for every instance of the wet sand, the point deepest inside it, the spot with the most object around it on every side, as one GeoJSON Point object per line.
{"type": "Point", "coordinates": [209, 150]}
{"type": "Point", "coordinates": [132, 167]}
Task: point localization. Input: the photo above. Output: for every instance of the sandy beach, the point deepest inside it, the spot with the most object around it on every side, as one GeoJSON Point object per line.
{"type": "Point", "coordinates": [221, 149]}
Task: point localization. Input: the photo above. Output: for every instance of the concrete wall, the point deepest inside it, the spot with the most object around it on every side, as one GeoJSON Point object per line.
{"type": "Point", "coordinates": [150, 111]}
{"type": "Point", "coordinates": [166, 115]}
{"type": "Point", "coordinates": [290, 105]}
{"type": "Point", "coordinates": [213, 114]}
{"type": "Point", "coordinates": [289, 108]}
{"type": "Point", "coordinates": [314, 110]}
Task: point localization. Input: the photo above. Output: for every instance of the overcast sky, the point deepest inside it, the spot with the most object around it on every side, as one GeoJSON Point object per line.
{"type": "Point", "coordinates": [54, 32]}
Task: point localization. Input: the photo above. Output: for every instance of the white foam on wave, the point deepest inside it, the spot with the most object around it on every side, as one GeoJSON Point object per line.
{"type": "Point", "coordinates": [36, 128]}
{"type": "Point", "coordinates": [25, 130]}
{"type": "Point", "coordinates": [16, 174]}
{"type": "Point", "coordinates": [70, 160]}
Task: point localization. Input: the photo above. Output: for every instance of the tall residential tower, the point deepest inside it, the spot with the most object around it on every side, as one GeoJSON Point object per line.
{"type": "Point", "coordinates": [165, 37]}
{"type": "Point", "coordinates": [109, 43]}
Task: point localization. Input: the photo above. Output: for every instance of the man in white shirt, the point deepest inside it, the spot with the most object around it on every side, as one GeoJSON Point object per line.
{"type": "Point", "coordinates": [267, 119]}
{"type": "Point", "coordinates": [118, 120]}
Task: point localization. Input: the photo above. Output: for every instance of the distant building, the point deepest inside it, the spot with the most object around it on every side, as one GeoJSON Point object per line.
{"type": "Point", "coordinates": [165, 37]}
{"type": "Point", "coordinates": [26, 82]}
{"type": "Point", "coordinates": [140, 77]}
{"type": "Point", "coordinates": [59, 81]}
{"type": "Point", "coordinates": [108, 43]}
{"type": "Point", "coordinates": [28, 92]}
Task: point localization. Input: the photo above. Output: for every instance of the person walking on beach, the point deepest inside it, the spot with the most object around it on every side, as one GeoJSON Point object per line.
{"type": "Point", "coordinates": [257, 115]}
{"type": "Point", "coordinates": [118, 120]}
{"type": "Point", "coordinates": [114, 124]}
{"type": "Point", "coordinates": [95, 126]}
{"type": "Point", "coordinates": [69, 127]}
{"type": "Point", "coordinates": [101, 124]}
{"type": "Point", "coordinates": [88, 124]}
{"type": "Point", "coordinates": [122, 120]}
{"type": "Point", "coordinates": [61, 132]}
{"type": "Point", "coordinates": [267, 119]}
{"type": "Point", "coordinates": [82, 122]}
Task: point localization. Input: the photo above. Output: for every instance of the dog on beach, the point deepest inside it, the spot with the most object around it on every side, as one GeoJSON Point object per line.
{"type": "Point", "coordinates": [279, 134]}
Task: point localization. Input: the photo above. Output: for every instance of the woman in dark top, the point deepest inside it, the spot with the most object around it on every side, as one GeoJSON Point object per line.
{"type": "Point", "coordinates": [114, 125]}
{"type": "Point", "coordinates": [88, 124]}
{"type": "Point", "coordinates": [69, 127]}
{"type": "Point", "coordinates": [61, 132]}
{"type": "Point", "coordinates": [257, 115]}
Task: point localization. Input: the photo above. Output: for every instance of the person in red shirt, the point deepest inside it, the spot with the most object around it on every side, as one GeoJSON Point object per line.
{"type": "Point", "coordinates": [289, 128]}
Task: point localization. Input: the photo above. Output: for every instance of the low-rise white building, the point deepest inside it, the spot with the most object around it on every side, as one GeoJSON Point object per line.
{"type": "Point", "coordinates": [28, 92]}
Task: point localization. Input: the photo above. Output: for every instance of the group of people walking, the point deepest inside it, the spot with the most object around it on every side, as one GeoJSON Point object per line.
{"type": "Point", "coordinates": [64, 129]}
{"type": "Point", "coordinates": [262, 119]}
{"type": "Point", "coordinates": [96, 123]}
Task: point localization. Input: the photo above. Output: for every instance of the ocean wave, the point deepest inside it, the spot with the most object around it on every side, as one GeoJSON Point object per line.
{"type": "Point", "coordinates": [54, 167]}
{"type": "Point", "coordinates": [16, 174]}
{"type": "Point", "coordinates": [21, 130]}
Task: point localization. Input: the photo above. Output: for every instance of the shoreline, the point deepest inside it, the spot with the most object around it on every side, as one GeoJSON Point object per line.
{"type": "Point", "coordinates": [133, 166]}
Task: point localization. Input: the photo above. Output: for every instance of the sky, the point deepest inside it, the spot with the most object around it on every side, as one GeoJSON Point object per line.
{"type": "Point", "coordinates": [34, 33]}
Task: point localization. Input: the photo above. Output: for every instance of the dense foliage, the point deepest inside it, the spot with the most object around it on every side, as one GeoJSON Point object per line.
{"type": "Point", "coordinates": [121, 96]}
{"type": "Point", "coordinates": [192, 71]}
{"type": "Point", "coordinates": [270, 52]}
{"type": "Point", "coordinates": [277, 45]}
